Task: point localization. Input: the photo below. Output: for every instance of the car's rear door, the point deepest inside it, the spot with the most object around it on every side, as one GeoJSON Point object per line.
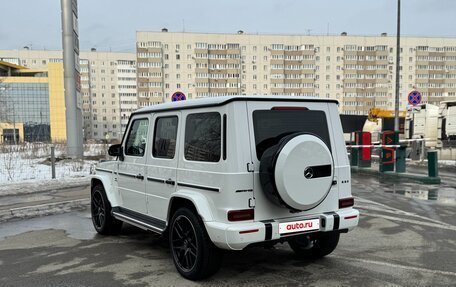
{"type": "Point", "coordinates": [271, 120]}
{"type": "Point", "coordinates": [162, 163]}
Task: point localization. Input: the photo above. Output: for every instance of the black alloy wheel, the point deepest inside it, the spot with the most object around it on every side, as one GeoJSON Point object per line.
{"type": "Point", "coordinates": [98, 210]}
{"type": "Point", "coordinates": [184, 243]}
{"type": "Point", "coordinates": [194, 254]}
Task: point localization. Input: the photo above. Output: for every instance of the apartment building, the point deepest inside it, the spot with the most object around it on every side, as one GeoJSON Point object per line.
{"type": "Point", "coordinates": [359, 71]}
{"type": "Point", "coordinates": [108, 87]}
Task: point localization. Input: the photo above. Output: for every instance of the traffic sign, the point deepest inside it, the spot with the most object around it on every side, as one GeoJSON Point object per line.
{"type": "Point", "coordinates": [178, 96]}
{"type": "Point", "coordinates": [414, 97]}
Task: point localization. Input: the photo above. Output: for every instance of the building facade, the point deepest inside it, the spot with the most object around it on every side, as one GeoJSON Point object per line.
{"type": "Point", "coordinates": [32, 103]}
{"type": "Point", "coordinates": [359, 71]}
{"type": "Point", "coordinates": [108, 87]}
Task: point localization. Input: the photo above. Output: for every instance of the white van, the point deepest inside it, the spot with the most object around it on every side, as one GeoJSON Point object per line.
{"type": "Point", "coordinates": [228, 173]}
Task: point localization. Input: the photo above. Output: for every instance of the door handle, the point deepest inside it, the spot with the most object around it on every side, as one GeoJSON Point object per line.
{"type": "Point", "coordinates": [140, 176]}
{"type": "Point", "coordinates": [170, 181]}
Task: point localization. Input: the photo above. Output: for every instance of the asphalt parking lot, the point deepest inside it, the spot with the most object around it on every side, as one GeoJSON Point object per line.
{"type": "Point", "coordinates": [406, 237]}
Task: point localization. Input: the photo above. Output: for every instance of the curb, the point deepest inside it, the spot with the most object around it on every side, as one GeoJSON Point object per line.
{"type": "Point", "coordinates": [20, 190]}
{"type": "Point", "coordinates": [44, 209]}
{"type": "Point", "coordinates": [393, 175]}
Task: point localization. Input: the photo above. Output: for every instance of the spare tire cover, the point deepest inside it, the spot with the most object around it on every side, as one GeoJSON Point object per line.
{"type": "Point", "coordinates": [298, 172]}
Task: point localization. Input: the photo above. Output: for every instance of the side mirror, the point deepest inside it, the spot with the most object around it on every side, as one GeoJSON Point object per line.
{"type": "Point", "coordinates": [116, 150]}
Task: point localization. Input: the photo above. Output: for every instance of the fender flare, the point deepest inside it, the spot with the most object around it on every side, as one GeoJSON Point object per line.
{"type": "Point", "coordinates": [106, 180]}
{"type": "Point", "coordinates": [201, 203]}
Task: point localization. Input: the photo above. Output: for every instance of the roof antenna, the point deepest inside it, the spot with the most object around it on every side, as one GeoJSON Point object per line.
{"type": "Point", "coordinates": [183, 25]}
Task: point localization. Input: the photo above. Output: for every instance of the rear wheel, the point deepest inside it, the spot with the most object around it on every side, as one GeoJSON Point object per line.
{"type": "Point", "coordinates": [194, 254]}
{"type": "Point", "coordinates": [314, 246]}
{"type": "Point", "coordinates": [100, 207]}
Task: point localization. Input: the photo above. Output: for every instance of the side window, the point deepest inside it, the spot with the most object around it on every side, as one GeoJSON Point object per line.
{"type": "Point", "coordinates": [202, 137]}
{"type": "Point", "coordinates": [137, 138]}
{"type": "Point", "coordinates": [165, 137]}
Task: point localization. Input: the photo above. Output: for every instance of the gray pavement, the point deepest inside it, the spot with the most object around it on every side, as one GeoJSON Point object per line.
{"type": "Point", "coordinates": [406, 237]}
{"type": "Point", "coordinates": [43, 202]}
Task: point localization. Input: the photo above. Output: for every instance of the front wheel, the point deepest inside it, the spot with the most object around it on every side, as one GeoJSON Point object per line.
{"type": "Point", "coordinates": [194, 254]}
{"type": "Point", "coordinates": [314, 246]}
{"type": "Point", "coordinates": [100, 208]}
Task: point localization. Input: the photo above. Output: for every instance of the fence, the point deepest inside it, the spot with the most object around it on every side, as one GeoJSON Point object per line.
{"type": "Point", "coordinates": [33, 161]}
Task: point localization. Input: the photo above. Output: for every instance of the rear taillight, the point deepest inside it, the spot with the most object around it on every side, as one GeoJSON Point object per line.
{"type": "Point", "coordinates": [240, 215]}
{"type": "Point", "coordinates": [346, 202]}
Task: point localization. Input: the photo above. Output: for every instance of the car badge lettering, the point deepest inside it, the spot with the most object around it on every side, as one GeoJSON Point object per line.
{"type": "Point", "coordinates": [299, 225]}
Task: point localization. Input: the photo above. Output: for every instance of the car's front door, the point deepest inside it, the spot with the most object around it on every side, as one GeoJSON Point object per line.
{"type": "Point", "coordinates": [131, 171]}
{"type": "Point", "coordinates": [162, 163]}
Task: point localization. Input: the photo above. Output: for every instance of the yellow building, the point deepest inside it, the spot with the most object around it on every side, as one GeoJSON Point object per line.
{"type": "Point", "coordinates": [32, 101]}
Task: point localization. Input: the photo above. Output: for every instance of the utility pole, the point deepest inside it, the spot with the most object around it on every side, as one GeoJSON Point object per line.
{"type": "Point", "coordinates": [398, 56]}
{"type": "Point", "coordinates": [70, 43]}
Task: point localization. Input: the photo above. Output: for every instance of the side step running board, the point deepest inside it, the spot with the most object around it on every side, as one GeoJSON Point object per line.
{"type": "Point", "coordinates": [138, 220]}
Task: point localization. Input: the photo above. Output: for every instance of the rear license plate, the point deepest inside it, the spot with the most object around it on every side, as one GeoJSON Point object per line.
{"type": "Point", "coordinates": [299, 226]}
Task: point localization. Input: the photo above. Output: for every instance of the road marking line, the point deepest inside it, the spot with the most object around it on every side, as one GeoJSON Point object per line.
{"type": "Point", "coordinates": [447, 227]}
{"type": "Point", "coordinates": [393, 265]}
{"type": "Point", "coordinates": [393, 209]}
{"type": "Point", "coordinates": [372, 208]}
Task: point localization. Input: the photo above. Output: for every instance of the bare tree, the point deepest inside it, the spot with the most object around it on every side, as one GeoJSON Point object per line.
{"type": "Point", "coordinates": [10, 162]}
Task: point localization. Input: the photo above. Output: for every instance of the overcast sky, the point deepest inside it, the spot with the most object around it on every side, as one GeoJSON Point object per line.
{"type": "Point", "coordinates": [111, 24]}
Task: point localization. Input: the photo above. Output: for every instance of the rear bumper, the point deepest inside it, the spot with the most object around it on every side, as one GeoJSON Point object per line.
{"type": "Point", "coordinates": [237, 236]}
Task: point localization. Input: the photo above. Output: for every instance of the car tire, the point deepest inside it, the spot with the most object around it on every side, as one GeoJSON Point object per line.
{"type": "Point", "coordinates": [316, 246]}
{"type": "Point", "coordinates": [102, 219]}
{"type": "Point", "coordinates": [194, 254]}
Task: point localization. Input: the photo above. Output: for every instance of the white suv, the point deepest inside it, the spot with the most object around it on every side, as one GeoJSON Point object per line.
{"type": "Point", "coordinates": [228, 173]}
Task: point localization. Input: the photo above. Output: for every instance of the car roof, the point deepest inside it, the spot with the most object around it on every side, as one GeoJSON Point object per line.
{"type": "Point", "coordinates": [222, 100]}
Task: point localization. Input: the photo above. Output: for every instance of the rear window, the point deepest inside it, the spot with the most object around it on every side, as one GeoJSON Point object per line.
{"type": "Point", "coordinates": [272, 125]}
